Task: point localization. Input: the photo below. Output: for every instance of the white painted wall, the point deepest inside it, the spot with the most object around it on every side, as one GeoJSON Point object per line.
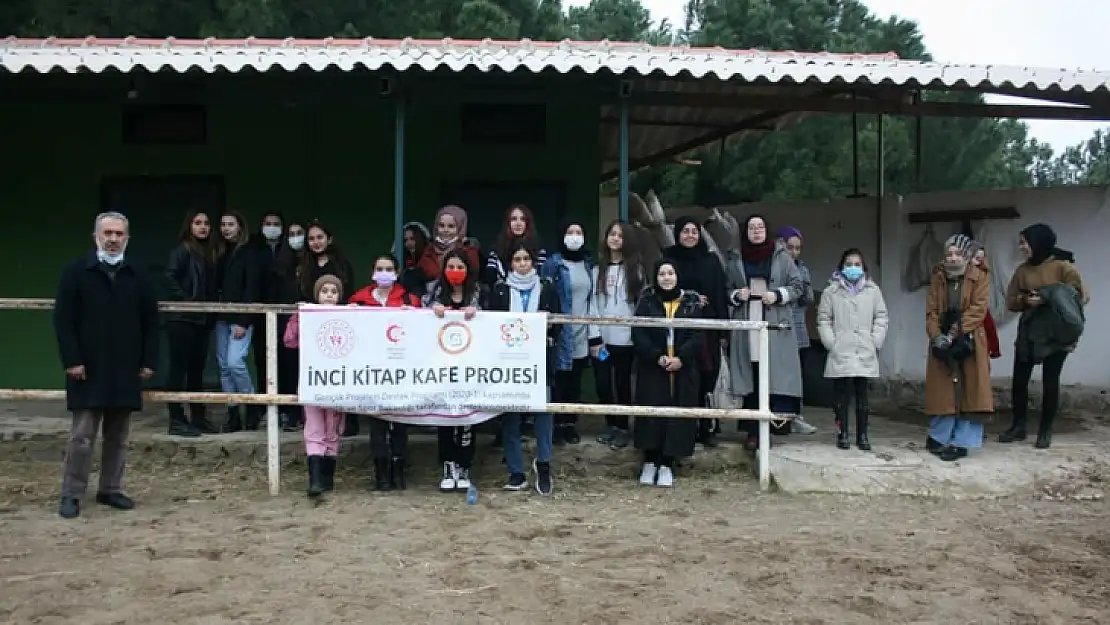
{"type": "Point", "coordinates": [1079, 215]}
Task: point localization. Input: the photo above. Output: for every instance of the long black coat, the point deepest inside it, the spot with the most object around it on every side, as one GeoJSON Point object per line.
{"type": "Point", "coordinates": [109, 325]}
{"type": "Point", "coordinates": [670, 436]}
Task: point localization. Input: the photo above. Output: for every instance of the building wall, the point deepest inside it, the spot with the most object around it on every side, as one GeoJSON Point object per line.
{"type": "Point", "coordinates": [1079, 215]}
{"type": "Point", "coordinates": [311, 147]}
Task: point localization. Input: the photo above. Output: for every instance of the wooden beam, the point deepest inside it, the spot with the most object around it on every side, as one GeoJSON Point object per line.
{"type": "Point", "coordinates": [664, 123]}
{"type": "Point", "coordinates": [759, 121]}
{"type": "Point", "coordinates": [826, 104]}
{"type": "Point", "coordinates": [970, 214]}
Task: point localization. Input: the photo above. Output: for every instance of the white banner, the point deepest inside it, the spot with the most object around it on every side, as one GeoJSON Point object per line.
{"type": "Point", "coordinates": [411, 367]}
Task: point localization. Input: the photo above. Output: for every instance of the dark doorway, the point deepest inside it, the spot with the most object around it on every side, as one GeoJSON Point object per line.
{"type": "Point", "coordinates": [155, 206]}
{"type": "Point", "coordinates": [486, 203]}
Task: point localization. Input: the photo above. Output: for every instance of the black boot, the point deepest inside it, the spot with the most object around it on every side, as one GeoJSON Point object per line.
{"type": "Point", "coordinates": [350, 425]}
{"type": "Point", "coordinates": [200, 420]}
{"type": "Point", "coordinates": [179, 425]}
{"type": "Point", "coordinates": [951, 454]}
{"type": "Point", "coordinates": [328, 465]}
{"type": "Point", "coordinates": [234, 421]}
{"type": "Point", "coordinates": [1017, 428]}
{"type": "Point", "coordinates": [254, 417]}
{"type": "Point", "coordinates": [842, 437]}
{"type": "Point", "coordinates": [316, 476]}
{"type": "Point", "coordinates": [381, 474]}
{"type": "Point", "coordinates": [397, 474]}
{"type": "Point", "coordinates": [861, 430]}
{"type": "Point", "coordinates": [706, 435]}
{"type": "Point", "coordinates": [1044, 431]}
{"type": "Point", "coordinates": [932, 445]}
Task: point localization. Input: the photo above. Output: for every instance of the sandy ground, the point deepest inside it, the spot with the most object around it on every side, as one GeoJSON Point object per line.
{"type": "Point", "coordinates": [207, 545]}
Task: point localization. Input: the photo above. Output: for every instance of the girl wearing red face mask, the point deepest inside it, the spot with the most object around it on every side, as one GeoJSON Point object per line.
{"type": "Point", "coordinates": [388, 440]}
{"type": "Point", "coordinates": [456, 289]}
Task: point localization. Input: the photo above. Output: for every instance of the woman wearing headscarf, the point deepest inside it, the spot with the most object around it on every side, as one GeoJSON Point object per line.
{"type": "Point", "coordinates": [792, 238]}
{"type": "Point", "coordinates": [1046, 266]}
{"type": "Point", "coordinates": [700, 272]}
{"type": "Point", "coordinates": [666, 374]}
{"type": "Point", "coordinates": [570, 270]}
{"type": "Point", "coordinates": [957, 371]}
{"type": "Point", "coordinates": [450, 225]}
{"type": "Point", "coordinates": [764, 281]}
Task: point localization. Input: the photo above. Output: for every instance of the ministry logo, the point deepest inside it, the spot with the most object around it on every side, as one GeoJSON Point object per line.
{"type": "Point", "coordinates": [335, 338]}
{"type": "Point", "coordinates": [455, 338]}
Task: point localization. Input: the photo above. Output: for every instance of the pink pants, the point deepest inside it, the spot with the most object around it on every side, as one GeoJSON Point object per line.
{"type": "Point", "coordinates": [321, 431]}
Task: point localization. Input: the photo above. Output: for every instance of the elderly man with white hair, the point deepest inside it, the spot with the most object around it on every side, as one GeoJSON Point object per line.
{"type": "Point", "coordinates": [106, 323]}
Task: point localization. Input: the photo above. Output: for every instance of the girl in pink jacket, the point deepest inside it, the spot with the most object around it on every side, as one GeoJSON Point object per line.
{"type": "Point", "coordinates": [321, 425]}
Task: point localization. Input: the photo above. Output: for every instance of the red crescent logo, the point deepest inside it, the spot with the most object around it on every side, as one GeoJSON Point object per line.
{"type": "Point", "coordinates": [394, 333]}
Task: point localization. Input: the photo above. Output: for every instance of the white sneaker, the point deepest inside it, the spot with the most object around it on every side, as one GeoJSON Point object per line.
{"type": "Point", "coordinates": [647, 474]}
{"type": "Point", "coordinates": [665, 477]}
{"type": "Point", "coordinates": [462, 478]}
{"type": "Point", "coordinates": [450, 477]}
{"type": "Point", "coordinates": [799, 426]}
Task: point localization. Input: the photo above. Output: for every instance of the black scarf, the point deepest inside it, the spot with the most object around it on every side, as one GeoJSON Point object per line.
{"type": "Point", "coordinates": [576, 255]}
{"type": "Point", "coordinates": [1042, 242]}
{"type": "Point", "coordinates": [666, 295]}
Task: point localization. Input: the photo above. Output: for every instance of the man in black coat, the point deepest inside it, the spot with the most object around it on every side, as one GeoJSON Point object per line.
{"type": "Point", "coordinates": [106, 323]}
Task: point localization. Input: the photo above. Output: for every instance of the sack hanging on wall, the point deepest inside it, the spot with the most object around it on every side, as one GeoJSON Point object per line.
{"type": "Point", "coordinates": [927, 253]}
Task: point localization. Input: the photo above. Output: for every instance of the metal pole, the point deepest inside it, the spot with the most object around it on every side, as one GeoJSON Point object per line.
{"type": "Point", "coordinates": [399, 173]}
{"type": "Point", "coordinates": [273, 429]}
{"type": "Point", "coordinates": [880, 187]}
{"type": "Point", "coordinates": [764, 409]}
{"type": "Point", "coordinates": [623, 199]}
{"type": "Point", "coordinates": [855, 153]}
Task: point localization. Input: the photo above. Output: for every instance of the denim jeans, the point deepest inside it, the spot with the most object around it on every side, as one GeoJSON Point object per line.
{"type": "Point", "coordinates": [510, 437]}
{"type": "Point", "coordinates": [231, 356]}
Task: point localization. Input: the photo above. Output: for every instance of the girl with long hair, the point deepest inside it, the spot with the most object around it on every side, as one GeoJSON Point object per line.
{"type": "Point", "coordinates": [238, 282]}
{"type": "Point", "coordinates": [414, 240]}
{"type": "Point", "coordinates": [388, 440]}
{"type": "Point", "coordinates": [456, 288]}
{"type": "Point", "coordinates": [617, 282]}
{"type": "Point", "coordinates": [524, 291]}
{"type": "Point", "coordinates": [191, 277]}
{"type": "Point", "coordinates": [519, 226]}
{"type": "Point", "coordinates": [323, 257]}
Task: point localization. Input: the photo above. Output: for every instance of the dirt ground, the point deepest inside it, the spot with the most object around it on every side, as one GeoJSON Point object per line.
{"type": "Point", "coordinates": [207, 545]}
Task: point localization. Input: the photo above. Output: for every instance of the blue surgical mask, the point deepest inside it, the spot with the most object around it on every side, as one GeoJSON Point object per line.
{"type": "Point", "coordinates": [852, 273]}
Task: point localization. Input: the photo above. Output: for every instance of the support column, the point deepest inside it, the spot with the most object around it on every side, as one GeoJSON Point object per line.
{"type": "Point", "coordinates": [399, 171]}
{"type": "Point", "coordinates": [623, 193]}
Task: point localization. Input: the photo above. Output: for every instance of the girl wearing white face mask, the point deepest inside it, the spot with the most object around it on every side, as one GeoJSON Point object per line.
{"type": "Point", "coordinates": [388, 440]}
{"type": "Point", "coordinates": [852, 322]}
{"type": "Point", "coordinates": [571, 270]}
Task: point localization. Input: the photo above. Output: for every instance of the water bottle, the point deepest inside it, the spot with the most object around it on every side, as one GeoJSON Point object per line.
{"type": "Point", "coordinates": [472, 494]}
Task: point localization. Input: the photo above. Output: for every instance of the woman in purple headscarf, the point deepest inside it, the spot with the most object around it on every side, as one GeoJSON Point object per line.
{"type": "Point", "coordinates": [791, 237]}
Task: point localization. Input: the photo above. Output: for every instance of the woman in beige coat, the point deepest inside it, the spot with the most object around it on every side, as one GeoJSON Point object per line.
{"type": "Point", "coordinates": [852, 323]}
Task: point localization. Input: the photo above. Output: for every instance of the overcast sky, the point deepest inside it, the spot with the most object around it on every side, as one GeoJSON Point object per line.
{"type": "Point", "coordinates": [1058, 33]}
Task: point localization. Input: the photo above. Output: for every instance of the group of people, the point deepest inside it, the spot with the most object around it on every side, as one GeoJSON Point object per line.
{"type": "Point", "coordinates": [762, 278]}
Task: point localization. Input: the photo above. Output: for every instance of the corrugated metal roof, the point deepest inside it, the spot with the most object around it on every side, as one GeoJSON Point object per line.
{"type": "Point", "coordinates": [233, 55]}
